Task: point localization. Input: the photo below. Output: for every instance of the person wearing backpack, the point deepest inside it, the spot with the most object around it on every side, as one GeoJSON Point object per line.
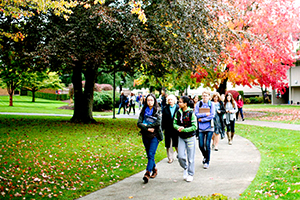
{"type": "Point", "coordinates": [205, 111]}
{"type": "Point", "coordinates": [185, 123]}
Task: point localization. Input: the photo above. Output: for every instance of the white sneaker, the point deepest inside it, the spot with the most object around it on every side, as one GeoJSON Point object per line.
{"type": "Point", "coordinates": [206, 166]}
{"type": "Point", "coordinates": [189, 178]}
{"type": "Point", "coordinates": [185, 174]}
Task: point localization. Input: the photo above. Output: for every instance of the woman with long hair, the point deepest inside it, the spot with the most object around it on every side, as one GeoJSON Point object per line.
{"type": "Point", "coordinates": [231, 109]}
{"type": "Point", "coordinates": [240, 104]}
{"type": "Point", "coordinates": [171, 134]}
{"type": "Point", "coordinates": [218, 120]}
{"type": "Point", "coordinates": [186, 124]}
{"type": "Point", "coordinates": [150, 124]}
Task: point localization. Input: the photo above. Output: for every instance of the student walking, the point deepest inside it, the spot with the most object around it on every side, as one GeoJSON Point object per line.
{"type": "Point", "coordinates": [171, 134]}
{"type": "Point", "coordinates": [186, 124]}
{"type": "Point", "coordinates": [231, 109]}
{"type": "Point", "coordinates": [150, 124]}
{"type": "Point", "coordinates": [132, 100]}
{"type": "Point", "coordinates": [204, 112]}
{"type": "Point", "coordinates": [218, 120]}
{"type": "Point", "coordinates": [123, 103]}
{"type": "Point", "coordinates": [240, 104]}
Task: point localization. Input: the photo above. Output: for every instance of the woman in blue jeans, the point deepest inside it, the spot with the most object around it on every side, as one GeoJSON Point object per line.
{"type": "Point", "coordinates": [204, 112]}
{"type": "Point", "coordinates": [150, 124]}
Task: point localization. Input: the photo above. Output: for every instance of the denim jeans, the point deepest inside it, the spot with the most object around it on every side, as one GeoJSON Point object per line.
{"type": "Point", "coordinates": [204, 144]}
{"type": "Point", "coordinates": [150, 146]}
{"type": "Point", "coordinates": [187, 146]}
{"type": "Point", "coordinates": [240, 110]}
{"type": "Point", "coordinates": [122, 105]}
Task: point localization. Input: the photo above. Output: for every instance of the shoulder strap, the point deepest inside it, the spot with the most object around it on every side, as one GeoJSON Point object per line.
{"type": "Point", "coordinates": [200, 104]}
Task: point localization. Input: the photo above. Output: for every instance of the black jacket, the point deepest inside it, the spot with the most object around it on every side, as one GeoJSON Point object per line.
{"type": "Point", "coordinates": [156, 125]}
{"type": "Point", "coordinates": [167, 120]}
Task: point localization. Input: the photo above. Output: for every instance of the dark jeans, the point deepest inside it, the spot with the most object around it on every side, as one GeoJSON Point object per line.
{"type": "Point", "coordinates": [122, 105]}
{"type": "Point", "coordinates": [150, 146]}
{"type": "Point", "coordinates": [204, 144]}
{"type": "Point", "coordinates": [240, 110]}
{"type": "Point", "coordinates": [133, 107]}
{"type": "Point", "coordinates": [230, 127]}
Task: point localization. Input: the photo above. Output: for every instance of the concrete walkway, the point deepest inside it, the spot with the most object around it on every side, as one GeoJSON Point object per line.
{"type": "Point", "coordinates": [232, 169]}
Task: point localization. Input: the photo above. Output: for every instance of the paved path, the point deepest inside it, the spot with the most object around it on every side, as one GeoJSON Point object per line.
{"type": "Point", "coordinates": [232, 169]}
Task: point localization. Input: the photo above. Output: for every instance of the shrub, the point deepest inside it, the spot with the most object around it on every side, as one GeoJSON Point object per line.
{"type": "Point", "coordinates": [49, 96]}
{"type": "Point", "coordinates": [260, 99]}
{"type": "Point", "coordinates": [102, 101]}
{"type": "Point", "coordinates": [253, 100]}
{"type": "Point", "coordinates": [216, 196]}
{"type": "Point", "coordinates": [247, 101]}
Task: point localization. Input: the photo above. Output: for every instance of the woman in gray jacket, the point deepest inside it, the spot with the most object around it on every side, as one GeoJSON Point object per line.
{"type": "Point", "coordinates": [231, 109]}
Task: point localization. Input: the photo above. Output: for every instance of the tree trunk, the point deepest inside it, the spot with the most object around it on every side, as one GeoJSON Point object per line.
{"type": "Point", "coordinates": [83, 101]}
{"type": "Point", "coordinates": [33, 95]}
{"type": "Point", "coordinates": [223, 87]}
{"type": "Point", "coordinates": [263, 93]}
{"type": "Point", "coordinates": [10, 89]}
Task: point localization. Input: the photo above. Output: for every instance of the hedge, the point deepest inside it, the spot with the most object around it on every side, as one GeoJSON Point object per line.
{"type": "Point", "coordinates": [104, 100]}
{"type": "Point", "coordinates": [49, 96]}
{"type": "Point", "coordinates": [253, 100]}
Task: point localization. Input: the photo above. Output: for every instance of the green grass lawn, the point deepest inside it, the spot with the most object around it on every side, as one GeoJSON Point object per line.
{"type": "Point", "coordinates": [24, 104]}
{"type": "Point", "coordinates": [279, 172]}
{"type": "Point", "coordinates": [267, 106]}
{"type": "Point", "coordinates": [43, 157]}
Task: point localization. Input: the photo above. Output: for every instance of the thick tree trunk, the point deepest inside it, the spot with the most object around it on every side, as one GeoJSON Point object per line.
{"type": "Point", "coordinates": [33, 95]}
{"type": "Point", "coordinates": [83, 101]}
{"type": "Point", "coordinates": [223, 87]}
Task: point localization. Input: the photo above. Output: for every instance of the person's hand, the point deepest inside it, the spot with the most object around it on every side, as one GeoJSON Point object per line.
{"type": "Point", "coordinates": [218, 111]}
{"type": "Point", "coordinates": [227, 111]}
{"type": "Point", "coordinates": [199, 120]}
{"type": "Point", "coordinates": [151, 130]}
{"type": "Point", "coordinates": [207, 114]}
{"type": "Point", "coordinates": [180, 128]}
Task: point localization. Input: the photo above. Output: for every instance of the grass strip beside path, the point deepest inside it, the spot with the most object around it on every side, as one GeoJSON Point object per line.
{"type": "Point", "coordinates": [278, 176]}
{"type": "Point", "coordinates": [44, 157]}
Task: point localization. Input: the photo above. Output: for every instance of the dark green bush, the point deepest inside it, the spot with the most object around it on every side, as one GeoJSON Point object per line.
{"type": "Point", "coordinates": [49, 96]}
{"type": "Point", "coordinates": [256, 100]}
{"type": "Point", "coordinates": [247, 101]}
{"type": "Point", "coordinates": [103, 101]}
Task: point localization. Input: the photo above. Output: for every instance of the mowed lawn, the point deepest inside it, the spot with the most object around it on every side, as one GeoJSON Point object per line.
{"type": "Point", "coordinates": [44, 157]}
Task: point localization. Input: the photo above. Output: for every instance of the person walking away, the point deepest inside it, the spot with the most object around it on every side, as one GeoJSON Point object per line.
{"type": "Point", "coordinates": [122, 102]}
{"type": "Point", "coordinates": [186, 124]}
{"type": "Point", "coordinates": [132, 103]}
{"type": "Point", "coordinates": [204, 112]}
{"type": "Point", "coordinates": [218, 120]}
{"type": "Point", "coordinates": [171, 134]}
{"type": "Point", "coordinates": [150, 124]}
{"type": "Point", "coordinates": [240, 104]}
{"type": "Point", "coordinates": [231, 109]}
{"type": "Point", "coordinates": [224, 118]}
{"type": "Point", "coordinates": [163, 99]}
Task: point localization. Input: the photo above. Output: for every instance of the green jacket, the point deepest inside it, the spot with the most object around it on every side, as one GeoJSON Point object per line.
{"type": "Point", "coordinates": [190, 126]}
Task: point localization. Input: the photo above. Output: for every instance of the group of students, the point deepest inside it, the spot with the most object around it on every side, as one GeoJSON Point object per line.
{"type": "Point", "coordinates": [183, 123]}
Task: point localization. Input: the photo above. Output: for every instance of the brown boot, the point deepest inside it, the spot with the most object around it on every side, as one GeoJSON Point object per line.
{"type": "Point", "coordinates": [146, 177]}
{"type": "Point", "coordinates": [154, 173]}
{"type": "Point", "coordinates": [229, 137]}
{"type": "Point", "coordinates": [232, 134]}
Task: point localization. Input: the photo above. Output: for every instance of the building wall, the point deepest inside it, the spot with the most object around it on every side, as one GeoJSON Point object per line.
{"type": "Point", "coordinates": [3, 91]}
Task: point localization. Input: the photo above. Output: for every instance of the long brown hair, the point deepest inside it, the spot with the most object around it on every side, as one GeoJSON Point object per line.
{"type": "Point", "coordinates": [145, 105]}
{"type": "Point", "coordinates": [232, 101]}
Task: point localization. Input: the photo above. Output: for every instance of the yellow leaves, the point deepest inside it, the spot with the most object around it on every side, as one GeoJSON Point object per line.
{"type": "Point", "coordinates": [99, 1]}
{"type": "Point", "coordinates": [137, 9]}
{"type": "Point", "coordinates": [87, 6]}
{"type": "Point", "coordinates": [14, 36]}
